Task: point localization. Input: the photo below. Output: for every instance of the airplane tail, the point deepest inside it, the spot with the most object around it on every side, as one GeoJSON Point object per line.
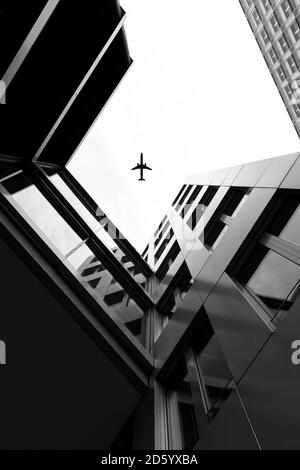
{"type": "Point", "coordinates": [142, 179]}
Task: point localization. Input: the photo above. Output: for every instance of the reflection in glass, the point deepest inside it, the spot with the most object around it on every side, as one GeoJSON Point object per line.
{"type": "Point", "coordinates": [74, 201]}
{"type": "Point", "coordinates": [274, 281]}
{"type": "Point", "coordinates": [41, 212]}
{"type": "Point", "coordinates": [291, 232]}
{"type": "Point", "coordinates": [199, 386]}
{"type": "Point", "coordinates": [105, 238]}
{"type": "Point", "coordinates": [180, 290]}
{"type": "Point", "coordinates": [280, 311]}
{"type": "Point", "coordinates": [215, 374]}
{"type": "Point", "coordinates": [97, 228]}
{"type": "Point", "coordinates": [182, 411]}
{"type": "Point", "coordinates": [105, 288]}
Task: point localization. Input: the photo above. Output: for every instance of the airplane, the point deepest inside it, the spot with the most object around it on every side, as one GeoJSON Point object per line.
{"type": "Point", "coordinates": [141, 166]}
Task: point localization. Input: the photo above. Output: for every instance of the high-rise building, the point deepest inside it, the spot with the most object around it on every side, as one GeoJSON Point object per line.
{"type": "Point", "coordinates": [276, 27]}
{"type": "Point", "coordinates": [189, 346]}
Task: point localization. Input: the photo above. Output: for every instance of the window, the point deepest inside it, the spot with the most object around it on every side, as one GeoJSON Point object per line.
{"type": "Point", "coordinates": [274, 281]}
{"type": "Point", "coordinates": [223, 215]}
{"type": "Point", "coordinates": [190, 201]}
{"type": "Point", "coordinates": [292, 64]}
{"type": "Point", "coordinates": [209, 195]}
{"type": "Point", "coordinates": [265, 36]}
{"type": "Point", "coordinates": [281, 74]}
{"type": "Point", "coordinates": [289, 92]}
{"type": "Point", "coordinates": [295, 30]}
{"type": "Point", "coordinates": [194, 195]}
{"type": "Point", "coordinates": [105, 231]}
{"type": "Point", "coordinates": [273, 55]}
{"type": "Point", "coordinates": [296, 109]}
{"type": "Point", "coordinates": [291, 232]}
{"type": "Point", "coordinates": [175, 293]}
{"type": "Point", "coordinates": [98, 280]}
{"type": "Point", "coordinates": [163, 245]}
{"type": "Point", "coordinates": [168, 261]}
{"type": "Point", "coordinates": [161, 233]}
{"type": "Point", "coordinates": [145, 252]}
{"type": "Point", "coordinates": [201, 207]}
{"type": "Point", "coordinates": [183, 415]}
{"type": "Point", "coordinates": [294, 4]}
{"type": "Point", "coordinates": [283, 44]}
{"type": "Point", "coordinates": [268, 267]}
{"type": "Point", "coordinates": [177, 197]}
{"type": "Point", "coordinates": [196, 216]}
{"type": "Point", "coordinates": [162, 223]}
{"type": "Point", "coordinates": [68, 194]}
{"type": "Point", "coordinates": [266, 5]}
{"type": "Point", "coordinates": [186, 192]}
{"type": "Point", "coordinates": [199, 385]}
{"type": "Point", "coordinates": [215, 374]}
{"type": "Point", "coordinates": [42, 214]}
{"type": "Point", "coordinates": [274, 23]}
{"type": "Point", "coordinates": [286, 8]}
{"type": "Point", "coordinates": [256, 17]}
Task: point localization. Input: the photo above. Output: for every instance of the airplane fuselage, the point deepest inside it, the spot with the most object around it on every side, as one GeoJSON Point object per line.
{"type": "Point", "coordinates": [141, 166]}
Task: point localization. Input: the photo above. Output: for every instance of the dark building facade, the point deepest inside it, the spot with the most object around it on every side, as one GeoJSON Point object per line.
{"type": "Point", "coordinates": [186, 347]}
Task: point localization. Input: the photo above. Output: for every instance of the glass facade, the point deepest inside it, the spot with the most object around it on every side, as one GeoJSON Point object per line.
{"type": "Point", "coordinates": [200, 385]}
{"type": "Point", "coordinates": [40, 213]}
{"type": "Point", "coordinates": [74, 246]}
{"type": "Point", "coordinates": [275, 281]}
{"type": "Point", "coordinates": [148, 310]}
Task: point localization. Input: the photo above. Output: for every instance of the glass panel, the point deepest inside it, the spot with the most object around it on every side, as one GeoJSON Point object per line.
{"type": "Point", "coordinates": [200, 384]}
{"type": "Point", "coordinates": [212, 232]}
{"type": "Point", "coordinates": [194, 195]}
{"type": "Point", "coordinates": [177, 295]}
{"type": "Point", "coordinates": [181, 392]}
{"type": "Point", "coordinates": [74, 201]}
{"type": "Point", "coordinates": [166, 265]}
{"type": "Point", "coordinates": [122, 257]}
{"type": "Point", "coordinates": [235, 199]}
{"type": "Point", "coordinates": [188, 425]}
{"type": "Point", "coordinates": [186, 192]}
{"type": "Point", "coordinates": [96, 227]}
{"type": "Point", "coordinates": [208, 195]}
{"type": "Point", "coordinates": [163, 245]}
{"type": "Point", "coordinates": [104, 287]}
{"type": "Point", "coordinates": [41, 212]}
{"type": "Point", "coordinates": [274, 279]}
{"type": "Point", "coordinates": [216, 375]}
{"type": "Point", "coordinates": [291, 232]}
{"type": "Point", "coordinates": [285, 305]}
{"type": "Point", "coordinates": [196, 216]}
{"type": "Point", "coordinates": [105, 238]}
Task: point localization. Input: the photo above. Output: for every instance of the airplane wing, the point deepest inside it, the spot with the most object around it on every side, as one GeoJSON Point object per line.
{"type": "Point", "coordinates": [147, 167]}
{"type": "Point", "coordinates": [136, 168]}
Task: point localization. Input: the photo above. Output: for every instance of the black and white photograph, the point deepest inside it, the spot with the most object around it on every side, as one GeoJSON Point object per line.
{"type": "Point", "coordinates": [149, 229]}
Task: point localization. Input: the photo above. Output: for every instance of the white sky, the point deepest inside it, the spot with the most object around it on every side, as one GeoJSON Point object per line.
{"type": "Point", "coordinates": [199, 96]}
